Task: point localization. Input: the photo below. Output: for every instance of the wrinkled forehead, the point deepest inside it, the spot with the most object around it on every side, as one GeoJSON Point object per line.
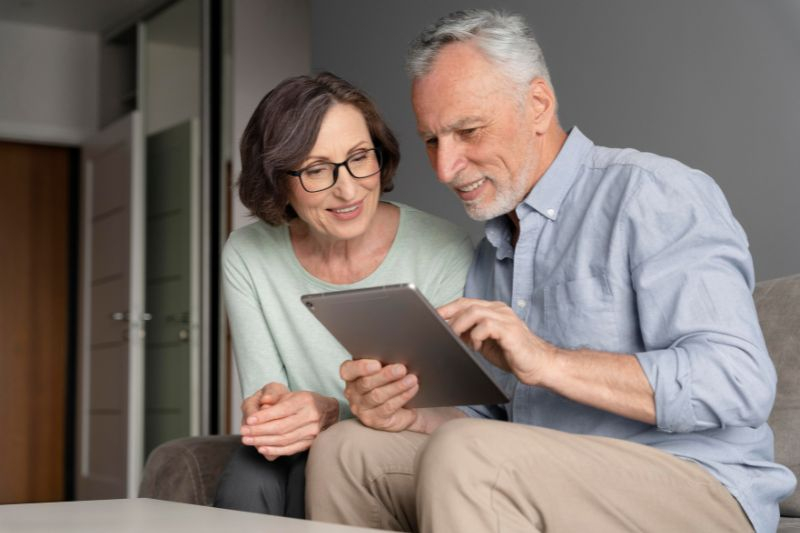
{"type": "Point", "coordinates": [460, 83]}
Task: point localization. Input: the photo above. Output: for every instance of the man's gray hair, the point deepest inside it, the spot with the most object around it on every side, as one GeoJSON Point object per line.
{"type": "Point", "coordinates": [504, 38]}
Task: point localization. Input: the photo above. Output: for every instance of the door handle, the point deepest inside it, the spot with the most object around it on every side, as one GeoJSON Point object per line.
{"type": "Point", "coordinates": [120, 316]}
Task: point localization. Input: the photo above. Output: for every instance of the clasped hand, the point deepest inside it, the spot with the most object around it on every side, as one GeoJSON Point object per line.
{"type": "Point", "coordinates": [280, 422]}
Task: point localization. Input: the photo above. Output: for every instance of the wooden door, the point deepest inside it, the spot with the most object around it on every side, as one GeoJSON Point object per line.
{"type": "Point", "coordinates": [34, 300]}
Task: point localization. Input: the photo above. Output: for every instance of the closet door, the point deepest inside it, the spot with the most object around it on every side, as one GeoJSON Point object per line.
{"type": "Point", "coordinates": [111, 323]}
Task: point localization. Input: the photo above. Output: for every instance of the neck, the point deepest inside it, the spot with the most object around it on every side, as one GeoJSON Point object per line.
{"type": "Point", "coordinates": [330, 250]}
{"type": "Point", "coordinates": [549, 145]}
{"type": "Point", "coordinates": [345, 261]}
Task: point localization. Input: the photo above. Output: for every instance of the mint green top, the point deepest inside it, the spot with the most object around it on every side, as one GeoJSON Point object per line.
{"type": "Point", "coordinates": [275, 338]}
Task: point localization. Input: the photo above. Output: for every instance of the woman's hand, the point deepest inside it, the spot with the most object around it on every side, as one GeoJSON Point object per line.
{"type": "Point", "coordinates": [268, 394]}
{"type": "Point", "coordinates": [280, 422]}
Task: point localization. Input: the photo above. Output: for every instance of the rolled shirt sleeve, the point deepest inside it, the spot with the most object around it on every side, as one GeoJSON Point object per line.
{"type": "Point", "coordinates": [705, 355]}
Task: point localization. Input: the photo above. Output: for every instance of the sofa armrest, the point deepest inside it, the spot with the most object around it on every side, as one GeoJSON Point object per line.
{"type": "Point", "coordinates": [187, 470]}
{"type": "Point", "coordinates": [778, 304]}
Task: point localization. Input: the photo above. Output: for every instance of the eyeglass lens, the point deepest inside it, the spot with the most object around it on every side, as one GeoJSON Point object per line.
{"type": "Point", "coordinates": [323, 175]}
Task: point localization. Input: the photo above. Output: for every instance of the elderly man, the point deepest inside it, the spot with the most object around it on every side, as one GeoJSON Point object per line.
{"type": "Point", "coordinates": [612, 294]}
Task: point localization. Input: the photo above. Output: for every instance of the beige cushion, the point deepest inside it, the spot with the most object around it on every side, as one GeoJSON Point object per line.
{"type": "Point", "coordinates": [778, 304]}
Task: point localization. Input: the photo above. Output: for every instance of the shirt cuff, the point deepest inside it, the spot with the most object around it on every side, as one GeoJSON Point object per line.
{"type": "Point", "coordinates": [670, 375]}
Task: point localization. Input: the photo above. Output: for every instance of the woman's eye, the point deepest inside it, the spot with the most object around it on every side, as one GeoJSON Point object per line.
{"type": "Point", "coordinates": [358, 158]}
{"type": "Point", "coordinates": [311, 172]}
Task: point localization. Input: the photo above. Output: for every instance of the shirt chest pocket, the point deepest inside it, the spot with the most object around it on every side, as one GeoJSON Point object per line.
{"type": "Point", "coordinates": [581, 314]}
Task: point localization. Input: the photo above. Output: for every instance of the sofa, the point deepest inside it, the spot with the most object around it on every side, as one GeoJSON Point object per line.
{"type": "Point", "coordinates": [187, 470]}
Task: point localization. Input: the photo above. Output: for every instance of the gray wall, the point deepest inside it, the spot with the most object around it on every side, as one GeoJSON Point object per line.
{"type": "Point", "coordinates": [715, 84]}
{"type": "Point", "coordinates": [48, 84]}
{"type": "Point", "coordinates": [270, 42]}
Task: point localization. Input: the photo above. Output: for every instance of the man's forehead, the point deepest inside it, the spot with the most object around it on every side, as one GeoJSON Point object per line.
{"type": "Point", "coordinates": [458, 123]}
{"type": "Point", "coordinates": [445, 106]}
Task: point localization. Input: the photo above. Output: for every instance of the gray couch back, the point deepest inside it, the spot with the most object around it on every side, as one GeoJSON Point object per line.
{"type": "Point", "coordinates": [778, 304]}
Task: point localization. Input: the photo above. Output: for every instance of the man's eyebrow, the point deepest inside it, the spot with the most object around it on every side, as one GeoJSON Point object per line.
{"type": "Point", "coordinates": [464, 123]}
{"type": "Point", "coordinates": [460, 124]}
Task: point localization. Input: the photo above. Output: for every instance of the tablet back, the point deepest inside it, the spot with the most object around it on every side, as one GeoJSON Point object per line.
{"type": "Point", "coordinates": [396, 324]}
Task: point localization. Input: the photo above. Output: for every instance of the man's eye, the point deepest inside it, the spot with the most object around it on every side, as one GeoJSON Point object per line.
{"type": "Point", "coordinates": [468, 132]}
{"type": "Point", "coordinates": [432, 142]}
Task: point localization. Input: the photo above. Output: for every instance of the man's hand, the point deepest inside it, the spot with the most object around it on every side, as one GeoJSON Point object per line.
{"type": "Point", "coordinates": [280, 422]}
{"type": "Point", "coordinates": [612, 382]}
{"type": "Point", "coordinates": [498, 333]}
{"type": "Point", "coordinates": [378, 394]}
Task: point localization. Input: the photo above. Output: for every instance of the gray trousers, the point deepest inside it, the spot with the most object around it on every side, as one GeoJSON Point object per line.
{"type": "Point", "coordinates": [489, 476]}
{"type": "Point", "coordinates": [251, 483]}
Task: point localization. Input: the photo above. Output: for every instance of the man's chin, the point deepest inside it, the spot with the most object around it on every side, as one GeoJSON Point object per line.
{"type": "Point", "coordinates": [483, 213]}
{"type": "Point", "coordinates": [502, 203]}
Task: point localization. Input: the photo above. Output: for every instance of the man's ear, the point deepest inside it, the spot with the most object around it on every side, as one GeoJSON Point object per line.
{"type": "Point", "coordinates": [542, 100]}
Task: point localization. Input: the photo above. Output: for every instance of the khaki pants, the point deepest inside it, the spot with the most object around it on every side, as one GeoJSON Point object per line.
{"type": "Point", "coordinates": [489, 476]}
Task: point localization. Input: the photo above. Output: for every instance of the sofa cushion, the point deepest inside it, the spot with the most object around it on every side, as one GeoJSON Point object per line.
{"type": "Point", "coordinates": [778, 304]}
{"type": "Point", "coordinates": [789, 525]}
{"type": "Point", "coordinates": [187, 470]}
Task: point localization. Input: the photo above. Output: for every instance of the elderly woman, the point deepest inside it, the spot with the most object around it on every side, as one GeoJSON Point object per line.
{"type": "Point", "coordinates": [316, 158]}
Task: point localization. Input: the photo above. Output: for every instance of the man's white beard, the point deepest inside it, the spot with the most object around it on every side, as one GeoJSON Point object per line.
{"type": "Point", "coordinates": [506, 198]}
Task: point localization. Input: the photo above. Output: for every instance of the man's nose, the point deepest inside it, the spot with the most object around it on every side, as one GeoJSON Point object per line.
{"type": "Point", "coordinates": [450, 160]}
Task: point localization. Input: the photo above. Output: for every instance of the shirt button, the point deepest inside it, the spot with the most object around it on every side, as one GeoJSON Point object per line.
{"type": "Point", "coordinates": [521, 303]}
{"type": "Point", "coordinates": [551, 212]}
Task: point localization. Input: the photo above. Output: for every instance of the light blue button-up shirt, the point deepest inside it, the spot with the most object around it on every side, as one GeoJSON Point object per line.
{"type": "Point", "coordinates": [629, 252]}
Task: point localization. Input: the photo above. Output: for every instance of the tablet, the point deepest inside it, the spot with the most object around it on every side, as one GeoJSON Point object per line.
{"type": "Point", "coordinates": [396, 324]}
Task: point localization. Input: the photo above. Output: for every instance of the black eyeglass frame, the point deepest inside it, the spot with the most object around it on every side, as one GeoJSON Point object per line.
{"type": "Point", "coordinates": [298, 173]}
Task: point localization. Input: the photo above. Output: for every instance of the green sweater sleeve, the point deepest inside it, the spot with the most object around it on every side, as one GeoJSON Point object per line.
{"type": "Point", "coordinates": [454, 264]}
{"type": "Point", "coordinates": [256, 354]}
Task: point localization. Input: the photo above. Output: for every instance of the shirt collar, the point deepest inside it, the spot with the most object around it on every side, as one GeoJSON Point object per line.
{"type": "Point", "coordinates": [548, 194]}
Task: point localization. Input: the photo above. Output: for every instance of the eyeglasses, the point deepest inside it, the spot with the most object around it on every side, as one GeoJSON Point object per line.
{"type": "Point", "coordinates": [321, 176]}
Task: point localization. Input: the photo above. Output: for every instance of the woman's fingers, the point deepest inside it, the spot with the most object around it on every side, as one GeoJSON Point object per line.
{"type": "Point", "coordinates": [271, 393]}
{"type": "Point", "coordinates": [273, 452]}
{"type": "Point", "coordinates": [308, 431]}
{"type": "Point", "coordinates": [249, 406]}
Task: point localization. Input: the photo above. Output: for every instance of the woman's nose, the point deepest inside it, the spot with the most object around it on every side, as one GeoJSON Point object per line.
{"type": "Point", "coordinates": [346, 185]}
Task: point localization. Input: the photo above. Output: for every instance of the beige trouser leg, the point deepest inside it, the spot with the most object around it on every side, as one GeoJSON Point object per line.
{"type": "Point", "coordinates": [363, 477]}
{"type": "Point", "coordinates": [486, 476]}
{"type": "Point", "coordinates": [479, 475]}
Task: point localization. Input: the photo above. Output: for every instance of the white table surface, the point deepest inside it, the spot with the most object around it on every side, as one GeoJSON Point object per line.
{"type": "Point", "coordinates": [149, 516]}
